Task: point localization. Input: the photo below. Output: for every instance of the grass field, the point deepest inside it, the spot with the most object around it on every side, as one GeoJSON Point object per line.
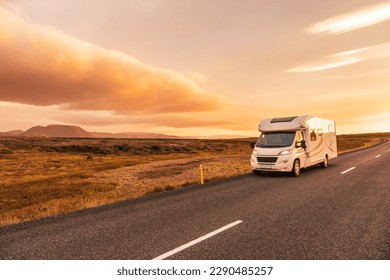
{"type": "Point", "coordinates": [41, 177]}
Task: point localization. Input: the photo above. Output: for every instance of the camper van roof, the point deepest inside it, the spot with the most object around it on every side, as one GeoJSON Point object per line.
{"type": "Point", "coordinates": [284, 123]}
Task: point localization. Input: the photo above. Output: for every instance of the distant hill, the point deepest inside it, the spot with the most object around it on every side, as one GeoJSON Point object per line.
{"type": "Point", "coordinates": [57, 130]}
{"type": "Point", "coordinates": [133, 135]}
{"type": "Point", "coordinates": [71, 131]}
{"type": "Point", "coordinates": [11, 133]}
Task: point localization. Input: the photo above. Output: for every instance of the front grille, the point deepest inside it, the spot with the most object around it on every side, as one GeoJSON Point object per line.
{"type": "Point", "coordinates": [267, 159]}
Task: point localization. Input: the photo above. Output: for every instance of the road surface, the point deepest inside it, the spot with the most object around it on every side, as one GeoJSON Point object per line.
{"type": "Point", "coordinates": [342, 212]}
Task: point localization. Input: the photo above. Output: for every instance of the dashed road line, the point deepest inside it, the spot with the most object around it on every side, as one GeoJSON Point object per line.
{"type": "Point", "coordinates": [345, 171]}
{"type": "Point", "coordinates": [377, 156]}
{"type": "Point", "coordinates": [200, 239]}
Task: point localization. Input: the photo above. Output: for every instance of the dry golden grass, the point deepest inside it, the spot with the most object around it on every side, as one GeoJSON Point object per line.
{"type": "Point", "coordinates": [351, 142]}
{"type": "Point", "coordinates": [42, 177]}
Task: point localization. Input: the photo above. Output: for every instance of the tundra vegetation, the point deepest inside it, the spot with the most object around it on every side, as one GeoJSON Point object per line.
{"type": "Point", "coordinates": [41, 177]}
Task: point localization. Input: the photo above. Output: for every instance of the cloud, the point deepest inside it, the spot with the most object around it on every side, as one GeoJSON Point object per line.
{"type": "Point", "coordinates": [110, 122]}
{"type": "Point", "coordinates": [360, 18]}
{"type": "Point", "coordinates": [43, 66]}
{"type": "Point", "coordinates": [340, 59]}
{"type": "Point", "coordinates": [106, 119]}
{"type": "Point", "coordinates": [182, 121]}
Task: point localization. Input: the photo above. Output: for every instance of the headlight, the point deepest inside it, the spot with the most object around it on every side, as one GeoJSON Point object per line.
{"type": "Point", "coordinates": [286, 152]}
{"type": "Point", "coordinates": [255, 153]}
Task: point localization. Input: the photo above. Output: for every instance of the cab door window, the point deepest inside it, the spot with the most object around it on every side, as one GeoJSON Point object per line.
{"type": "Point", "coordinates": [299, 139]}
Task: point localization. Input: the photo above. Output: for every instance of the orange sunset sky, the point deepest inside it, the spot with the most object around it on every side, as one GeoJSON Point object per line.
{"type": "Point", "coordinates": [198, 68]}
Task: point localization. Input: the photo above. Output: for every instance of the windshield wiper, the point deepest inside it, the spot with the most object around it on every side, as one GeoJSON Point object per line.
{"type": "Point", "coordinates": [270, 146]}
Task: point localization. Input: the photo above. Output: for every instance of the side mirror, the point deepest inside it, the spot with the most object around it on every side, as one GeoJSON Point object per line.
{"type": "Point", "coordinates": [252, 145]}
{"type": "Point", "coordinates": [303, 144]}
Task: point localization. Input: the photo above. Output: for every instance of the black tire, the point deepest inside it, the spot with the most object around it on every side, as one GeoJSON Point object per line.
{"type": "Point", "coordinates": [256, 172]}
{"type": "Point", "coordinates": [296, 169]}
{"type": "Point", "coordinates": [324, 164]}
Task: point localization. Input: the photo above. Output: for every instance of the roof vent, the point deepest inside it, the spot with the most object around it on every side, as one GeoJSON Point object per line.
{"type": "Point", "coordinates": [286, 119]}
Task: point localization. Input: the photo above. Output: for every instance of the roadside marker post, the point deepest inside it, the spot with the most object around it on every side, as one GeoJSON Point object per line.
{"type": "Point", "coordinates": [201, 174]}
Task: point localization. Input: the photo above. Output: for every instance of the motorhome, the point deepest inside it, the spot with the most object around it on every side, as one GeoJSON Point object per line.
{"type": "Point", "coordinates": [290, 143]}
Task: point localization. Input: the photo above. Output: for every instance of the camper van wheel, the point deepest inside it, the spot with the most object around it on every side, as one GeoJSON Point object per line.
{"type": "Point", "coordinates": [324, 164]}
{"type": "Point", "coordinates": [296, 170]}
{"type": "Point", "coordinates": [256, 172]}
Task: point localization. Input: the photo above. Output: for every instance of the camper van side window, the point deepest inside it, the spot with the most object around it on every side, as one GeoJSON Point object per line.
{"type": "Point", "coordinates": [313, 135]}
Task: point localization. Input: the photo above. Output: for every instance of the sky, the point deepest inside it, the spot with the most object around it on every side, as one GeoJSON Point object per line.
{"type": "Point", "coordinates": [194, 68]}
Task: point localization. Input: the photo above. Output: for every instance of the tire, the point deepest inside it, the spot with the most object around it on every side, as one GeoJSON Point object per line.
{"type": "Point", "coordinates": [324, 164]}
{"type": "Point", "coordinates": [256, 172]}
{"type": "Point", "coordinates": [296, 170]}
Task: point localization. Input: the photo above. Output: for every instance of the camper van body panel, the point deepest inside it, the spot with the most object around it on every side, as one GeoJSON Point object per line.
{"type": "Point", "coordinates": [274, 150]}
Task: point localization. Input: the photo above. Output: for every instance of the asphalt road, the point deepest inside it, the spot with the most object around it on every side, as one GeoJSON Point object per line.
{"type": "Point", "coordinates": [342, 212]}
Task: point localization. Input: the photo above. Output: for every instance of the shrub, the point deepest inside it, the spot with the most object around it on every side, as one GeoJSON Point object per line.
{"type": "Point", "coordinates": [5, 152]}
{"type": "Point", "coordinates": [155, 148]}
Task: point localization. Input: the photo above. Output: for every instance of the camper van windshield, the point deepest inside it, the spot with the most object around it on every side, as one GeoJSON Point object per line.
{"type": "Point", "coordinates": [275, 139]}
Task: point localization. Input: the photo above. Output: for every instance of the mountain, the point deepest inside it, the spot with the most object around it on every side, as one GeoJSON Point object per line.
{"type": "Point", "coordinates": [57, 130]}
{"type": "Point", "coordinates": [133, 135]}
{"type": "Point", "coordinates": [71, 131]}
{"type": "Point", "coordinates": [11, 133]}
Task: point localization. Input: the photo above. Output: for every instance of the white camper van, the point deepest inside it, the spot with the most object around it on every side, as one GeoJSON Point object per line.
{"type": "Point", "coordinates": [291, 143]}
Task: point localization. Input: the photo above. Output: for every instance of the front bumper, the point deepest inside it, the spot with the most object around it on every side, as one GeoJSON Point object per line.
{"type": "Point", "coordinates": [282, 164]}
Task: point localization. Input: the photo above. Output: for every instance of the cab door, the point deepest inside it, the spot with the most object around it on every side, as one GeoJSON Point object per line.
{"type": "Point", "coordinates": [300, 151]}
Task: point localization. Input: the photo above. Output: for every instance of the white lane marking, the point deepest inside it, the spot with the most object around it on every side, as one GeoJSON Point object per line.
{"type": "Point", "coordinates": [352, 168]}
{"type": "Point", "coordinates": [200, 239]}
{"type": "Point", "coordinates": [377, 156]}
